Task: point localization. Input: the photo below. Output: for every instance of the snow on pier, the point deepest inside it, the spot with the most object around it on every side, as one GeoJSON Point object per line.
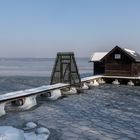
{"type": "Point", "coordinates": [28, 97]}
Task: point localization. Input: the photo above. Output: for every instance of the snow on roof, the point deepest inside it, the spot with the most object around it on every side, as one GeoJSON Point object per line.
{"type": "Point", "coordinates": [131, 52]}
{"type": "Point", "coordinates": [97, 56]}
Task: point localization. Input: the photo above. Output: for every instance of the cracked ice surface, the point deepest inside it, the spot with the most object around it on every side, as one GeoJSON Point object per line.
{"type": "Point", "coordinates": [106, 112]}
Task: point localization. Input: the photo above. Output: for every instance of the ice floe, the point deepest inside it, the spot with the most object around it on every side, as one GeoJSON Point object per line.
{"type": "Point", "coordinates": [30, 125]}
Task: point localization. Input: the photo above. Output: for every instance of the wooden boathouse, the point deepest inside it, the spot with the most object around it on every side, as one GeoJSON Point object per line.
{"type": "Point", "coordinates": [98, 65]}
{"type": "Point", "coordinates": [117, 62]}
{"type": "Point", "coordinates": [122, 62]}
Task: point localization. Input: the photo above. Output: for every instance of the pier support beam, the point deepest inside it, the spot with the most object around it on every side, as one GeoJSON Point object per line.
{"type": "Point", "coordinates": [85, 86]}
{"type": "Point", "coordinates": [101, 81]}
{"type": "Point", "coordinates": [116, 82]}
{"type": "Point", "coordinates": [130, 83]}
{"type": "Point", "coordinates": [55, 94]}
{"type": "Point", "coordinates": [72, 90]}
{"type": "Point", "coordinates": [96, 83]}
{"type": "Point", "coordinates": [2, 109]}
{"type": "Point", "coordinates": [93, 83]}
{"type": "Point", "coordinates": [29, 102]}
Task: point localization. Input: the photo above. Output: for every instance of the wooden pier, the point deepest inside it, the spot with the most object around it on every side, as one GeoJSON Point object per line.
{"type": "Point", "coordinates": [27, 98]}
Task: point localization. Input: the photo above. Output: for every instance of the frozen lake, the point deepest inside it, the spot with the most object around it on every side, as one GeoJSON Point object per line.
{"type": "Point", "coordinates": [24, 73]}
{"type": "Point", "coordinates": [107, 112]}
{"type": "Point", "coordinates": [36, 66]}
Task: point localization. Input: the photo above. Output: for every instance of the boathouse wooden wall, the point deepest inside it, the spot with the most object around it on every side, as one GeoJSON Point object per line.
{"type": "Point", "coordinates": [135, 69]}
{"type": "Point", "coordinates": [124, 66]}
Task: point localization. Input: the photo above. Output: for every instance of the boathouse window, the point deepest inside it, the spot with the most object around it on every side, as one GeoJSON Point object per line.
{"type": "Point", "coordinates": [117, 56]}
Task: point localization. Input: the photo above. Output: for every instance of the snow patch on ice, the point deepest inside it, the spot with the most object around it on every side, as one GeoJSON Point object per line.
{"type": "Point", "coordinates": [11, 133]}
{"type": "Point", "coordinates": [42, 130]}
{"type": "Point", "coordinates": [34, 136]}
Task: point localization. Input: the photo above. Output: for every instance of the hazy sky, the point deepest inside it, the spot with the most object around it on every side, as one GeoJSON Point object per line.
{"type": "Point", "coordinates": [41, 28]}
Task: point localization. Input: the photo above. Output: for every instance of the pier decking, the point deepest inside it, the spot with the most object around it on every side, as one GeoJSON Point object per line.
{"type": "Point", "coordinates": [122, 77]}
